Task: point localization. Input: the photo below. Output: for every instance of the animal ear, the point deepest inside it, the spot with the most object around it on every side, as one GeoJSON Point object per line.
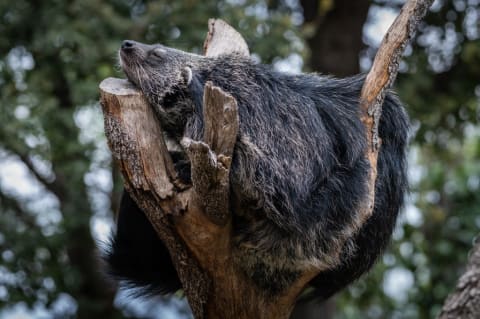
{"type": "Point", "coordinates": [187, 75]}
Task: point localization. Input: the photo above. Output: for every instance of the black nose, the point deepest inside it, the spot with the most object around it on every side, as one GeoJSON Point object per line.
{"type": "Point", "coordinates": [128, 45]}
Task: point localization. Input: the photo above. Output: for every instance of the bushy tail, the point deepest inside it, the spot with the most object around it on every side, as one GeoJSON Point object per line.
{"type": "Point", "coordinates": [137, 256]}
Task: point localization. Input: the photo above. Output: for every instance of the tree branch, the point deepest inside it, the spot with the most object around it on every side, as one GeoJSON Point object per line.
{"type": "Point", "coordinates": [380, 78]}
{"type": "Point", "coordinates": [20, 212]}
{"type": "Point", "coordinates": [378, 81]}
{"type": "Point", "coordinates": [25, 159]}
{"type": "Point", "coordinates": [210, 173]}
{"type": "Point", "coordinates": [150, 177]}
{"type": "Point", "coordinates": [464, 302]}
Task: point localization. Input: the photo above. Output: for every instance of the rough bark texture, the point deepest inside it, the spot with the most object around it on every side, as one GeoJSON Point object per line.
{"type": "Point", "coordinates": [195, 223]}
{"type": "Point", "coordinates": [219, 138]}
{"type": "Point", "coordinates": [150, 177]}
{"type": "Point", "coordinates": [380, 78]}
{"type": "Point", "coordinates": [464, 302]}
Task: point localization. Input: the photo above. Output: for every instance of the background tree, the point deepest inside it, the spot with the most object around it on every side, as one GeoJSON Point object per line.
{"type": "Point", "coordinates": [55, 178]}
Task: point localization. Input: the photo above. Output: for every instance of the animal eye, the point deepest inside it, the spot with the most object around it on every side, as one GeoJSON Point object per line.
{"type": "Point", "coordinates": [159, 52]}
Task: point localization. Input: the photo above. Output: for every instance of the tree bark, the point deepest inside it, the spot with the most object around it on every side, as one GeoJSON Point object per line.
{"type": "Point", "coordinates": [380, 78]}
{"type": "Point", "coordinates": [464, 301]}
{"type": "Point", "coordinates": [195, 223]}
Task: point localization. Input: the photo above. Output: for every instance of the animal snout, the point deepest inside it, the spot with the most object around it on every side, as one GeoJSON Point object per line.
{"type": "Point", "coordinates": [127, 45]}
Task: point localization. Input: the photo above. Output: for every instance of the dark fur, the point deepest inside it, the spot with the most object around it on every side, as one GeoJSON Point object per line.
{"type": "Point", "coordinates": [138, 256]}
{"type": "Point", "coordinates": [298, 171]}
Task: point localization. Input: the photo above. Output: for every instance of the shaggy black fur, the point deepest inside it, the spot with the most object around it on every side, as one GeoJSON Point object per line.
{"type": "Point", "coordinates": [298, 171]}
{"type": "Point", "coordinates": [138, 256]}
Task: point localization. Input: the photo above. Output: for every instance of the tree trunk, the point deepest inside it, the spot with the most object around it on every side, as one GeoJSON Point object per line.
{"type": "Point", "coordinates": [464, 302]}
{"type": "Point", "coordinates": [336, 39]}
{"type": "Point", "coordinates": [195, 223]}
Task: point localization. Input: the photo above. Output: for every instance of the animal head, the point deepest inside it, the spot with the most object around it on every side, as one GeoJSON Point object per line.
{"type": "Point", "coordinates": [156, 69]}
{"type": "Point", "coordinates": [163, 74]}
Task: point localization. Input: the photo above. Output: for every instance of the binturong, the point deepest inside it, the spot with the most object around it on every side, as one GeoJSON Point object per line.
{"type": "Point", "coordinates": [298, 176]}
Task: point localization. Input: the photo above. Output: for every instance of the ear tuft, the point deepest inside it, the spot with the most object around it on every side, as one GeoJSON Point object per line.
{"type": "Point", "coordinates": [187, 75]}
